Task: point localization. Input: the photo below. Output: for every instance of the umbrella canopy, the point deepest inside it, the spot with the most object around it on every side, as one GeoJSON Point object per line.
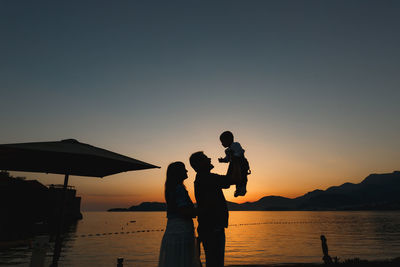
{"type": "Point", "coordinates": [66, 157]}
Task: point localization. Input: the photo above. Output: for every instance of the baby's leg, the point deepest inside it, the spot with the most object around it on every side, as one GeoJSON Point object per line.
{"type": "Point", "coordinates": [240, 190]}
{"type": "Point", "coordinates": [244, 168]}
{"type": "Point", "coordinates": [229, 173]}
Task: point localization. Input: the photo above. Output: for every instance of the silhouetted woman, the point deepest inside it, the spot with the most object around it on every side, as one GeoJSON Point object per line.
{"type": "Point", "coordinates": [178, 243]}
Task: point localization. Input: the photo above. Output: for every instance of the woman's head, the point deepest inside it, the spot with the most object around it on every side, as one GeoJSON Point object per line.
{"type": "Point", "coordinates": [176, 174]}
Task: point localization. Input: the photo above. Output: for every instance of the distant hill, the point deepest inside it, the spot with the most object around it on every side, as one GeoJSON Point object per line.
{"type": "Point", "coordinates": [375, 192]}
{"type": "Point", "coordinates": [144, 206]}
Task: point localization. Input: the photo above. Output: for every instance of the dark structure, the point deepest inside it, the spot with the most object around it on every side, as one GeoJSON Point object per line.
{"type": "Point", "coordinates": [72, 211]}
{"type": "Point", "coordinates": [26, 203]}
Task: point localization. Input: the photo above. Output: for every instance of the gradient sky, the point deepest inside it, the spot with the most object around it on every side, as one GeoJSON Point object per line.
{"type": "Point", "coordinates": [309, 88]}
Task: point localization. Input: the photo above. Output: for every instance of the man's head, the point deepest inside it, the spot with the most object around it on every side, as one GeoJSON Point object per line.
{"type": "Point", "coordinates": [200, 162]}
{"type": "Point", "coordinates": [226, 138]}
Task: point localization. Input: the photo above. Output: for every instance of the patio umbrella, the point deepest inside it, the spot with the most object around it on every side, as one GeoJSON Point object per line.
{"type": "Point", "coordinates": [67, 157]}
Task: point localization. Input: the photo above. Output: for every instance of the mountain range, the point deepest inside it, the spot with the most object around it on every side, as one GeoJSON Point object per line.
{"type": "Point", "coordinates": [375, 192]}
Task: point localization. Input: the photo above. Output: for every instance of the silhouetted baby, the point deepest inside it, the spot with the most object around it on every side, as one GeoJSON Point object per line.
{"type": "Point", "coordinates": [235, 152]}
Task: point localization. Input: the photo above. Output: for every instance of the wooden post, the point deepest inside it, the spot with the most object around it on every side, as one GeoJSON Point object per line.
{"type": "Point", "coordinates": [327, 259]}
{"type": "Point", "coordinates": [40, 245]}
{"type": "Point", "coordinates": [58, 242]}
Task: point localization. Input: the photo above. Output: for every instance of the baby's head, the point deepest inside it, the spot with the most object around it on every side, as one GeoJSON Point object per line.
{"type": "Point", "coordinates": [226, 138]}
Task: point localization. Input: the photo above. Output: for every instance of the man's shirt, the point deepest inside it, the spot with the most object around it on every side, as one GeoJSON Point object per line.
{"type": "Point", "coordinates": [211, 203]}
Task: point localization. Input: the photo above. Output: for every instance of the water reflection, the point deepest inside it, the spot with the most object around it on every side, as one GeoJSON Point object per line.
{"type": "Point", "coordinates": [253, 238]}
{"type": "Point", "coordinates": [18, 253]}
{"type": "Point", "coordinates": [294, 236]}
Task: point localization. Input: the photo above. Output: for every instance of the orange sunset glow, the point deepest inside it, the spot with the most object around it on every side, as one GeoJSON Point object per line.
{"type": "Point", "coordinates": [280, 166]}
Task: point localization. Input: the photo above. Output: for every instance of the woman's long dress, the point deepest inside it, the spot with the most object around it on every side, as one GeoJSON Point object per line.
{"type": "Point", "coordinates": [178, 243]}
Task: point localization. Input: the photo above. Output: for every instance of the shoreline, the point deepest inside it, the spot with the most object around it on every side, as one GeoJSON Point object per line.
{"type": "Point", "coordinates": [348, 262]}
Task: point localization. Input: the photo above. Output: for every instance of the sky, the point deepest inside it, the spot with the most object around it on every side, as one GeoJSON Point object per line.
{"type": "Point", "coordinates": [309, 88]}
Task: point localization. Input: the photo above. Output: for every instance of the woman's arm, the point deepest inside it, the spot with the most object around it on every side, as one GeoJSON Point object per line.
{"type": "Point", "coordinates": [184, 204]}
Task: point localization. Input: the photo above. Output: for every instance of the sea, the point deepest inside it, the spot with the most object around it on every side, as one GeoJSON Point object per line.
{"type": "Point", "coordinates": [253, 237]}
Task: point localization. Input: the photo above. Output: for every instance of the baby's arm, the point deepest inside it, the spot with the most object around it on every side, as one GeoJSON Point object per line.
{"type": "Point", "coordinates": [227, 157]}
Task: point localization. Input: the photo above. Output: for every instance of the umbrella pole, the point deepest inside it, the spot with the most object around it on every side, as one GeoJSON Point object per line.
{"type": "Point", "coordinates": [58, 241]}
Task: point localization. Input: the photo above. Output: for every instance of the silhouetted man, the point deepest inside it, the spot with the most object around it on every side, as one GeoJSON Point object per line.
{"type": "Point", "coordinates": [212, 207]}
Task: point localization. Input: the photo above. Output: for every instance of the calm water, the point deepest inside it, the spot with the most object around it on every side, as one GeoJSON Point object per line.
{"type": "Point", "coordinates": [254, 237]}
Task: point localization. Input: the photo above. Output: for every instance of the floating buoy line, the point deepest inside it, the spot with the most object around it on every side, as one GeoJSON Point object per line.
{"type": "Point", "coordinates": [231, 225]}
